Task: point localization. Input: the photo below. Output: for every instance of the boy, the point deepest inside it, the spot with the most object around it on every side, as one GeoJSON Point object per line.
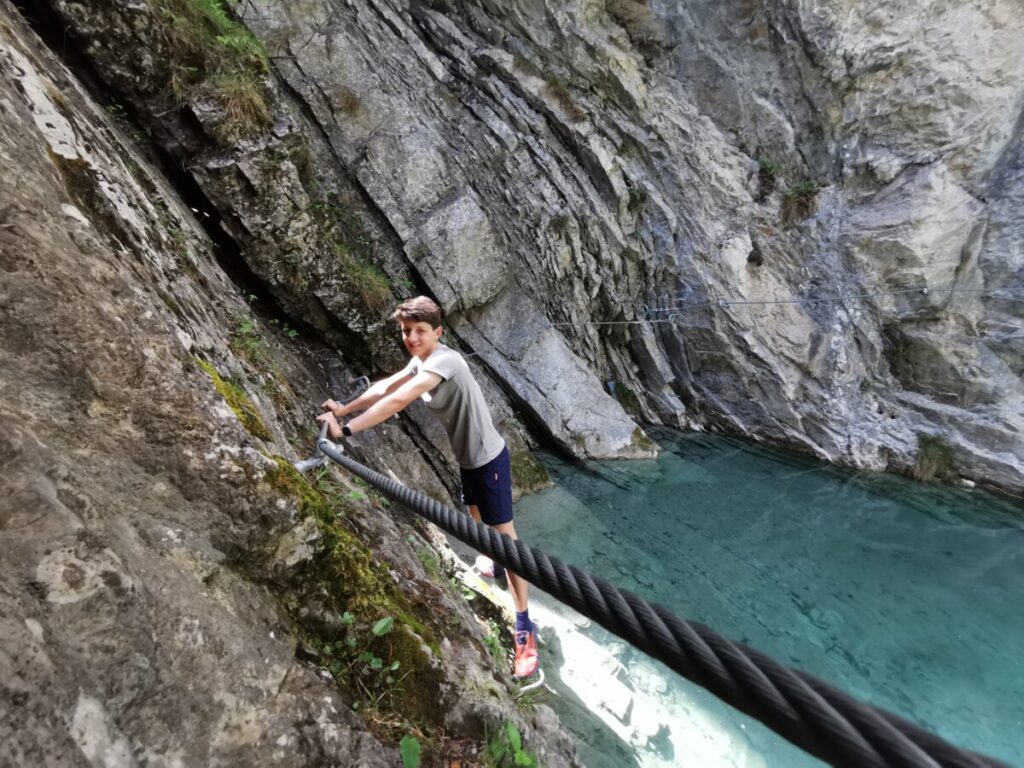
{"type": "Point", "coordinates": [441, 377]}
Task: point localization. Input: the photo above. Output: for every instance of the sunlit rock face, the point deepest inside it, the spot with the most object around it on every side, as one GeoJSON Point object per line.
{"type": "Point", "coordinates": [593, 164]}
{"type": "Point", "coordinates": [796, 221]}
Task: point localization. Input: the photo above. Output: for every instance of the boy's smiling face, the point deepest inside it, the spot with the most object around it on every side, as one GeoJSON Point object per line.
{"type": "Point", "coordinates": [419, 338]}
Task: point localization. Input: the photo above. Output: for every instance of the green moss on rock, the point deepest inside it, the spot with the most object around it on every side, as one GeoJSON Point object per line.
{"type": "Point", "coordinates": [238, 401]}
{"type": "Point", "coordinates": [528, 474]}
{"type": "Point", "coordinates": [345, 576]}
{"type": "Point", "coordinates": [627, 399]}
{"type": "Point", "coordinates": [935, 462]}
{"type": "Point", "coordinates": [641, 440]}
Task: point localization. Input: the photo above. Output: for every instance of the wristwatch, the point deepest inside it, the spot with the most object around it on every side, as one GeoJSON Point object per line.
{"type": "Point", "coordinates": [346, 430]}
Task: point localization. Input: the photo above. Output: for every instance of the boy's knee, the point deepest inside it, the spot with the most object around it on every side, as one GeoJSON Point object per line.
{"type": "Point", "coordinates": [508, 529]}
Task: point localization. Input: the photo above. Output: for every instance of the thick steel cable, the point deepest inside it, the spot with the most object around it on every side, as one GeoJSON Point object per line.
{"type": "Point", "coordinates": [807, 712]}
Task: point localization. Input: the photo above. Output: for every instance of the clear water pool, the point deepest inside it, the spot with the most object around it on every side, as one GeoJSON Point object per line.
{"type": "Point", "coordinates": [908, 596]}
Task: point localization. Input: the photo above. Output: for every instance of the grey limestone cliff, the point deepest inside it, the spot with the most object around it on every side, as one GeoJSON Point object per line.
{"type": "Point", "coordinates": [794, 221]}
{"type": "Point", "coordinates": [800, 222]}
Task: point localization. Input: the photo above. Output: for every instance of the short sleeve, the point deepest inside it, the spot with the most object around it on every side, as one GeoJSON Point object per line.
{"type": "Point", "coordinates": [444, 362]}
{"type": "Point", "coordinates": [411, 368]}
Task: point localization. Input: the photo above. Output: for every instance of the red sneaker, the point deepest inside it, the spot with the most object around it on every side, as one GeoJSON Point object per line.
{"type": "Point", "coordinates": [526, 663]}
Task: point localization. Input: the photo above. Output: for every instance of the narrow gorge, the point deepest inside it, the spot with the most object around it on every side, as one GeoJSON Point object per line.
{"type": "Point", "coordinates": [796, 222]}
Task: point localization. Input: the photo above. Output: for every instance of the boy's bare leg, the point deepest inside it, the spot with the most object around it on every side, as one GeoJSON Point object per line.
{"type": "Point", "coordinates": [519, 588]}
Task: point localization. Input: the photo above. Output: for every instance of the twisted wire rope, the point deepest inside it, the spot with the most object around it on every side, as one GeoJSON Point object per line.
{"type": "Point", "coordinates": [808, 712]}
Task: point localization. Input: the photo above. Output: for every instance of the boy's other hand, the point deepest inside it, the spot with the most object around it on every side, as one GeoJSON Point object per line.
{"type": "Point", "coordinates": [331, 405]}
{"type": "Point", "coordinates": [333, 429]}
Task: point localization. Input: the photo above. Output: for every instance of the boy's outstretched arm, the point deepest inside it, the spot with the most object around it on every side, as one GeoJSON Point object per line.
{"type": "Point", "coordinates": [374, 392]}
{"type": "Point", "coordinates": [385, 406]}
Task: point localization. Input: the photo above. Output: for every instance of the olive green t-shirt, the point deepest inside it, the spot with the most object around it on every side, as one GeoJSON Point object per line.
{"type": "Point", "coordinates": [459, 405]}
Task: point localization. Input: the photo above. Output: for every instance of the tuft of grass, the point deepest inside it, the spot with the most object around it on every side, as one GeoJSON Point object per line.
{"type": "Point", "coordinates": [767, 178]}
{"type": "Point", "coordinates": [216, 57]}
{"type": "Point", "coordinates": [640, 440]}
{"type": "Point", "coordinates": [243, 107]}
{"type": "Point", "coordinates": [354, 250]}
{"type": "Point", "coordinates": [799, 201]}
{"type": "Point", "coordinates": [372, 285]}
{"type": "Point", "coordinates": [935, 461]}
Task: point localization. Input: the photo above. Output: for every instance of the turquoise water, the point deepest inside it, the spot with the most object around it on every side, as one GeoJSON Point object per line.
{"type": "Point", "coordinates": [907, 596]}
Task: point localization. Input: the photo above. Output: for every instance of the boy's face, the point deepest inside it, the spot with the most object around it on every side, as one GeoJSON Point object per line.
{"type": "Point", "coordinates": [419, 338]}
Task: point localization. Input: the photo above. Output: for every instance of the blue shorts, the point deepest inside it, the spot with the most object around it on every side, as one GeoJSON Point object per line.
{"type": "Point", "coordinates": [489, 489]}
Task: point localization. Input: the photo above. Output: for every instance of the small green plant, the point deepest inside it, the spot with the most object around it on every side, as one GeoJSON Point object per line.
{"type": "Point", "coordinates": [247, 341]}
{"type": "Point", "coordinates": [492, 639]}
{"type": "Point", "coordinates": [430, 561]}
{"type": "Point", "coordinates": [372, 493]}
{"type": "Point", "coordinates": [767, 177]}
{"type": "Point", "coordinates": [340, 497]}
{"type": "Point", "coordinates": [286, 329]}
{"type": "Point", "coordinates": [799, 201]}
{"type": "Point", "coordinates": [459, 586]}
{"type": "Point", "coordinates": [505, 749]}
{"type": "Point", "coordinates": [409, 749]}
{"type": "Point", "coordinates": [935, 461]}
{"type": "Point", "coordinates": [527, 701]}
{"type": "Point", "coordinates": [373, 675]}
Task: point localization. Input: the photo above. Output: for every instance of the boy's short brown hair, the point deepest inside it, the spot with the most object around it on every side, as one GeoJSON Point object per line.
{"type": "Point", "coordinates": [420, 309]}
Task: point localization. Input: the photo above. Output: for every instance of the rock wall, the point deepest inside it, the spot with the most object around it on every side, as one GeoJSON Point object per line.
{"type": "Point", "coordinates": [173, 592]}
{"type": "Point", "coordinates": [796, 221]}
{"type": "Point", "coordinates": [790, 220]}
